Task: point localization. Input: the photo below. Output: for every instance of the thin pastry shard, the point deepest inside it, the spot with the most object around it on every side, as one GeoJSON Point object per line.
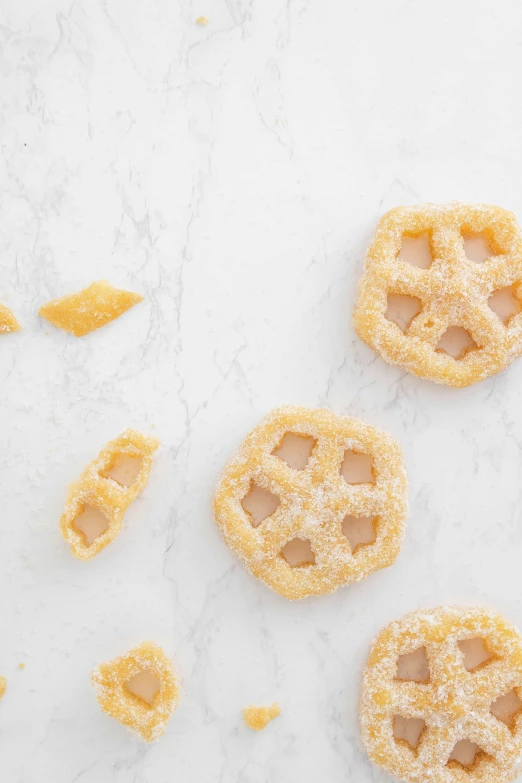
{"type": "Point", "coordinates": [3, 686]}
{"type": "Point", "coordinates": [90, 309]}
{"type": "Point", "coordinates": [257, 718]}
{"type": "Point", "coordinates": [292, 537]}
{"type": "Point", "coordinates": [8, 322]}
{"type": "Point", "coordinates": [469, 322]}
{"type": "Point", "coordinates": [458, 723]}
{"type": "Point", "coordinates": [97, 501]}
{"type": "Point", "coordinates": [139, 689]}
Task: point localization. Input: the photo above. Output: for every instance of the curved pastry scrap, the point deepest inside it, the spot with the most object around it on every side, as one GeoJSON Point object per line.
{"type": "Point", "coordinates": [8, 322]}
{"type": "Point", "coordinates": [257, 718]}
{"type": "Point", "coordinates": [455, 328]}
{"type": "Point", "coordinates": [3, 686]}
{"type": "Point", "coordinates": [294, 528]}
{"type": "Point", "coordinates": [87, 310]}
{"type": "Point", "coordinates": [97, 501]}
{"type": "Point", "coordinates": [459, 719]}
{"type": "Point", "coordinates": [139, 689]}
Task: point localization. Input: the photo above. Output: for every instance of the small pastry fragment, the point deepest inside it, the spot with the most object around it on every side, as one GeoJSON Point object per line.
{"type": "Point", "coordinates": [257, 718]}
{"type": "Point", "coordinates": [3, 686]}
{"type": "Point", "coordinates": [139, 689]}
{"type": "Point", "coordinates": [97, 501]}
{"type": "Point", "coordinates": [313, 501]}
{"type": "Point", "coordinates": [442, 697]}
{"type": "Point", "coordinates": [441, 292]}
{"type": "Point", "coordinates": [8, 322]}
{"type": "Point", "coordinates": [90, 309]}
{"type": "Point", "coordinates": [202, 20]}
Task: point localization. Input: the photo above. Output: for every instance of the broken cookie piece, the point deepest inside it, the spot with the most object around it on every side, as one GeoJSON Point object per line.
{"type": "Point", "coordinates": [8, 322]}
{"type": "Point", "coordinates": [139, 689]}
{"type": "Point", "coordinates": [257, 718]}
{"type": "Point", "coordinates": [90, 309]}
{"type": "Point", "coordinates": [97, 501]}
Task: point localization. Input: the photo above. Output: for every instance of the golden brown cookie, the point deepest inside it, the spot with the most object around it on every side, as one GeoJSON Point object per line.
{"type": "Point", "coordinates": [444, 313]}
{"type": "Point", "coordinates": [441, 697]}
{"type": "Point", "coordinates": [258, 718]}
{"type": "Point", "coordinates": [97, 501]}
{"type": "Point", "coordinates": [139, 689]}
{"type": "Point", "coordinates": [8, 322]}
{"type": "Point", "coordinates": [313, 501]}
{"type": "Point", "coordinates": [90, 309]}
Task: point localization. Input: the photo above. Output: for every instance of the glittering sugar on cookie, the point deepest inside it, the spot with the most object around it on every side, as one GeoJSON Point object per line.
{"type": "Point", "coordinates": [313, 501]}
{"type": "Point", "coordinates": [441, 292]}
{"type": "Point", "coordinates": [139, 689]}
{"type": "Point", "coordinates": [97, 501]}
{"type": "Point", "coordinates": [90, 309]}
{"type": "Point", "coordinates": [441, 697]}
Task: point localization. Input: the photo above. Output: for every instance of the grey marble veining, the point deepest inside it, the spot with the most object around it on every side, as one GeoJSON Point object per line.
{"type": "Point", "coordinates": [233, 174]}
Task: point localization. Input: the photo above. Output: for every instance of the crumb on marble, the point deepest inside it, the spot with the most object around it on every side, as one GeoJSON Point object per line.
{"type": "Point", "coordinates": [257, 718]}
{"type": "Point", "coordinates": [21, 665]}
{"type": "Point", "coordinates": [202, 20]}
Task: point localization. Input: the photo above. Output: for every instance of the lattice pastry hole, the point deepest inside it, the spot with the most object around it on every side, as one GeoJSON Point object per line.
{"type": "Point", "coordinates": [144, 686]}
{"type": "Point", "coordinates": [408, 730]}
{"type": "Point", "coordinates": [505, 303]}
{"type": "Point", "coordinates": [259, 503]}
{"type": "Point", "coordinates": [456, 342]}
{"type": "Point", "coordinates": [360, 531]}
{"type": "Point", "coordinates": [507, 708]}
{"type": "Point", "coordinates": [475, 654]}
{"type": "Point", "coordinates": [357, 468]}
{"type": "Point", "coordinates": [416, 250]}
{"type": "Point", "coordinates": [413, 666]}
{"type": "Point", "coordinates": [466, 754]}
{"type": "Point", "coordinates": [402, 309]}
{"type": "Point", "coordinates": [124, 470]}
{"type": "Point", "coordinates": [298, 552]}
{"type": "Point", "coordinates": [92, 523]}
{"type": "Point", "coordinates": [295, 450]}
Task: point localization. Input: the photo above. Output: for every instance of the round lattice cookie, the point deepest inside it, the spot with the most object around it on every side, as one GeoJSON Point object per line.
{"type": "Point", "coordinates": [444, 316]}
{"type": "Point", "coordinates": [441, 697]}
{"type": "Point", "coordinates": [308, 518]}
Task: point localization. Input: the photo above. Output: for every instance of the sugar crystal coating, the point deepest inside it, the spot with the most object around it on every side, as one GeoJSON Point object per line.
{"type": "Point", "coordinates": [257, 718]}
{"type": "Point", "coordinates": [8, 322]}
{"type": "Point", "coordinates": [314, 502]}
{"type": "Point", "coordinates": [105, 495]}
{"type": "Point", "coordinates": [456, 704]}
{"type": "Point", "coordinates": [90, 309]}
{"type": "Point", "coordinates": [453, 291]}
{"type": "Point", "coordinates": [109, 682]}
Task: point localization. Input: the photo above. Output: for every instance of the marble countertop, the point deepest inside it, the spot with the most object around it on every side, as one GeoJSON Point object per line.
{"type": "Point", "coordinates": [232, 173]}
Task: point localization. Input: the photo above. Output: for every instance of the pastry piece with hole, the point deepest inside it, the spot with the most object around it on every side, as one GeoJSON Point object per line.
{"type": "Point", "coordinates": [258, 718]}
{"type": "Point", "coordinates": [441, 700]}
{"type": "Point", "coordinates": [8, 322]}
{"type": "Point", "coordinates": [90, 309]}
{"type": "Point", "coordinates": [313, 501]}
{"type": "Point", "coordinates": [139, 689]}
{"type": "Point", "coordinates": [441, 291]}
{"type": "Point", "coordinates": [97, 501]}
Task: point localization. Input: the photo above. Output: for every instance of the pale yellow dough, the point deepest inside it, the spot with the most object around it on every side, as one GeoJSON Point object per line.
{"type": "Point", "coordinates": [8, 322]}
{"type": "Point", "coordinates": [92, 308]}
{"type": "Point", "coordinates": [456, 702]}
{"type": "Point", "coordinates": [454, 294]}
{"type": "Point", "coordinates": [111, 683]}
{"type": "Point", "coordinates": [257, 718]}
{"type": "Point", "coordinates": [314, 502]}
{"type": "Point", "coordinates": [95, 490]}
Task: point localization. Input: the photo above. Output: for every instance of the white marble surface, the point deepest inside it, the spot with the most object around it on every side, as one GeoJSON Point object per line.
{"type": "Point", "coordinates": [233, 174]}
